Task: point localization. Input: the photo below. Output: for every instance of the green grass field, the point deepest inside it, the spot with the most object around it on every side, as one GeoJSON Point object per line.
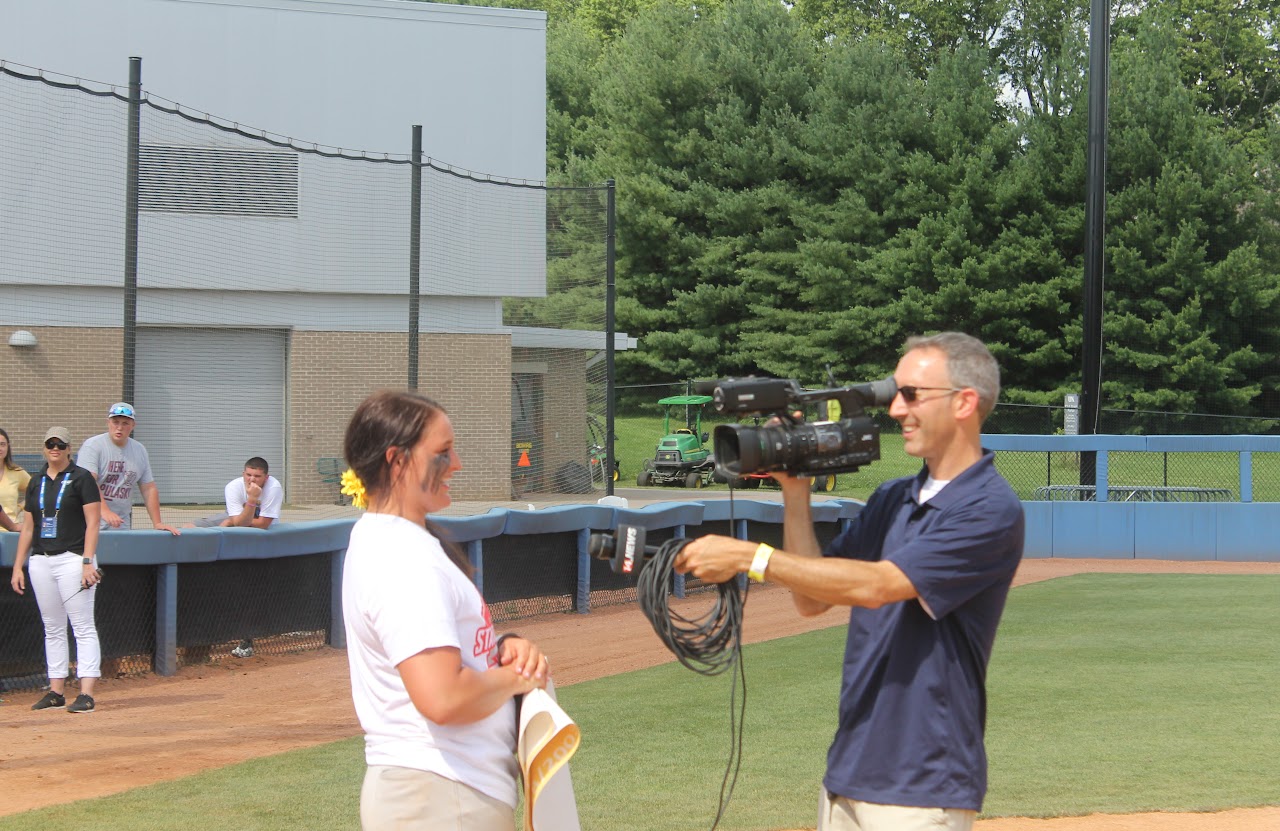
{"type": "Point", "coordinates": [1111, 693]}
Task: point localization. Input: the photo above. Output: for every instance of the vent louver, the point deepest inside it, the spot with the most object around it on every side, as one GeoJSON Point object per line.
{"type": "Point", "coordinates": [218, 181]}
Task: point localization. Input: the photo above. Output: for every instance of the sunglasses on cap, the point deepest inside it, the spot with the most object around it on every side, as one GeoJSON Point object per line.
{"type": "Point", "coordinates": [54, 444]}
{"type": "Point", "coordinates": [911, 394]}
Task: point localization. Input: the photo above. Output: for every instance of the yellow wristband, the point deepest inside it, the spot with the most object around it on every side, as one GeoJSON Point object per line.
{"type": "Point", "coordinates": [760, 562]}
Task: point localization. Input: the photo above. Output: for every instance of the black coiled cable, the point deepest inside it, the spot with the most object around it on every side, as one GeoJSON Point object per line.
{"type": "Point", "coordinates": [708, 644]}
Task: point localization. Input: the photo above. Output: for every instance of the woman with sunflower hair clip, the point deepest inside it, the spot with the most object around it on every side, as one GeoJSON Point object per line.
{"type": "Point", "coordinates": [433, 687]}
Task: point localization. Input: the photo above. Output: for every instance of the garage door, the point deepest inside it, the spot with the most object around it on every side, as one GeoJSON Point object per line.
{"type": "Point", "coordinates": [207, 400]}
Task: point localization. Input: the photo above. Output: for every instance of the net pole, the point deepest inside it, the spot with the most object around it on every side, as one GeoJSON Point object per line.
{"type": "Point", "coordinates": [130, 323]}
{"type": "Point", "coordinates": [1095, 219]}
{"type": "Point", "coordinates": [415, 250]}
{"type": "Point", "coordinates": [609, 325]}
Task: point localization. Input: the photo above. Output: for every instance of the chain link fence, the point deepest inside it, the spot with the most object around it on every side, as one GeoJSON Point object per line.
{"type": "Point", "coordinates": [277, 605]}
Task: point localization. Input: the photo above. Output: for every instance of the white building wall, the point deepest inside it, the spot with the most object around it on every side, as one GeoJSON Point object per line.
{"type": "Point", "coordinates": [354, 75]}
{"type": "Point", "coordinates": [350, 73]}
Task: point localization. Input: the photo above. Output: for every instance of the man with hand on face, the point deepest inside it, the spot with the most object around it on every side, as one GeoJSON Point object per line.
{"type": "Point", "coordinates": [118, 463]}
{"type": "Point", "coordinates": [253, 500]}
{"type": "Point", "coordinates": [925, 568]}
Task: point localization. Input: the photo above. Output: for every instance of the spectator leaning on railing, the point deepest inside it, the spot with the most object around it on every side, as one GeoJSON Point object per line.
{"type": "Point", "coordinates": [254, 500]}
{"type": "Point", "coordinates": [119, 462]}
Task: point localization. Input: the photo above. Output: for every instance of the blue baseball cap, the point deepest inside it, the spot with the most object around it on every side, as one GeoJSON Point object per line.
{"type": "Point", "coordinates": [121, 409]}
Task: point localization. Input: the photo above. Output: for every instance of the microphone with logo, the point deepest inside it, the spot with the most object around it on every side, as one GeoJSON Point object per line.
{"type": "Point", "coordinates": [625, 550]}
{"type": "Point", "coordinates": [707, 644]}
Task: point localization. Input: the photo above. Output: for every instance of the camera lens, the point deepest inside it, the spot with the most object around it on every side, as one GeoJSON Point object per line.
{"type": "Point", "coordinates": [829, 447]}
{"type": "Point", "coordinates": [736, 450]}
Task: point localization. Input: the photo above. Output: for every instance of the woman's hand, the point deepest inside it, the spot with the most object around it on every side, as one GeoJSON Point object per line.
{"type": "Point", "coordinates": [524, 658]}
{"type": "Point", "coordinates": [18, 581]}
{"type": "Point", "coordinates": [90, 576]}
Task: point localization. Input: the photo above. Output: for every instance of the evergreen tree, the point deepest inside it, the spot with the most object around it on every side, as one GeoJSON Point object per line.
{"type": "Point", "coordinates": [1188, 286]}
{"type": "Point", "coordinates": [702, 114]}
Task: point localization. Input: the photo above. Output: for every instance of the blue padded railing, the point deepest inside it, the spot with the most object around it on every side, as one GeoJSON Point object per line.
{"type": "Point", "coordinates": [165, 553]}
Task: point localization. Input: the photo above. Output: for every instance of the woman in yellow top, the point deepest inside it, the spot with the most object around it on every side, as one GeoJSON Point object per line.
{"type": "Point", "coordinates": [13, 481]}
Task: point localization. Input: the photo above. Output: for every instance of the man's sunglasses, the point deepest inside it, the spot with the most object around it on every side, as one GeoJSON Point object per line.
{"type": "Point", "coordinates": [912, 394]}
{"type": "Point", "coordinates": [54, 444]}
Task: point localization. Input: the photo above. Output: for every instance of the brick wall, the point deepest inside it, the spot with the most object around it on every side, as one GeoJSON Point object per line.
{"type": "Point", "coordinates": [330, 373]}
{"type": "Point", "coordinates": [69, 379]}
{"type": "Point", "coordinates": [470, 375]}
{"type": "Point", "coordinates": [73, 375]}
{"type": "Point", "coordinates": [566, 409]}
{"type": "Point", "coordinates": [562, 431]}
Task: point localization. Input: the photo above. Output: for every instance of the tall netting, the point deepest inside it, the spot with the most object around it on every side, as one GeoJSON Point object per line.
{"type": "Point", "coordinates": [275, 288]}
{"type": "Point", "coordinates": [558, 428]}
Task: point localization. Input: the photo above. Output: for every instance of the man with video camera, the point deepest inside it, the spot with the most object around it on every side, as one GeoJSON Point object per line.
{"type": "Point", "coordinates": [926, 567]}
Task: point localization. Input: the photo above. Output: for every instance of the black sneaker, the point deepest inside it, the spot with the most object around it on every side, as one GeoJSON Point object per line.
{"type": "Point", "coordinates": [51, 699]}
{"type": "Point", "coordinates": [82, 704]}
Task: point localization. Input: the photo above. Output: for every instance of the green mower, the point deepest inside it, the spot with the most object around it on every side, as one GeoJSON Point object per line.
{"type": "Point", "coordinates": [682, 458]}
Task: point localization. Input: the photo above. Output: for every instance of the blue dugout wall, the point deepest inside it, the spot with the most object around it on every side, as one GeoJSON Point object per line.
{"type": "Point", "coordinates": [529, 562]}
{"type": "Point", "coordinates": [190, 585]}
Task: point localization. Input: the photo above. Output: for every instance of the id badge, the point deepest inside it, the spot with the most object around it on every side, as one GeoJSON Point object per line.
{"type": "Point", "coordinates": [48, 528]}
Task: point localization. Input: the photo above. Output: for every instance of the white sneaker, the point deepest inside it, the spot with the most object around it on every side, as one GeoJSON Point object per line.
{"type": "Point", "coordinates": [243, 652]}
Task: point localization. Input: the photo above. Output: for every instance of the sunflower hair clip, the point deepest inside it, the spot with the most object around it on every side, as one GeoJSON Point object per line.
{"type": "Point", "coordinates": [354, 488]}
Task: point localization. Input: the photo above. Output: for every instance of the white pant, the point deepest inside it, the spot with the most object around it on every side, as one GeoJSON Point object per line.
{"type": "Point", "coordinates": [56, 581]}
{"type": "Point", "coordinates": [838, 813]}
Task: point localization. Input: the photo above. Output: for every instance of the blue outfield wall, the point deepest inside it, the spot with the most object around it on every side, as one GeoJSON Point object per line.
{"type": "Point", "coordinates": [1236, 531]}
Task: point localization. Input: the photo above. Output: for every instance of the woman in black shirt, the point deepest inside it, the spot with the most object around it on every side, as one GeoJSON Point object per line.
{"type": "Point", "coordinates": [60, 534]}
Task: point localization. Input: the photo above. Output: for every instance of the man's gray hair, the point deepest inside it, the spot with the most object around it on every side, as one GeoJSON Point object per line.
{"type": "Point", "coordinates": [969, 364]}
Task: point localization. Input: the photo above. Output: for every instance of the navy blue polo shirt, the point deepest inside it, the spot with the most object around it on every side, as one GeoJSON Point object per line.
{"type": "Point", "coordinates": [913, 697]}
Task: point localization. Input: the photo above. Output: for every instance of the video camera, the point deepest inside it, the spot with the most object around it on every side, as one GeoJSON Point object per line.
{"type": "Point", "coordinates": [838, 445]}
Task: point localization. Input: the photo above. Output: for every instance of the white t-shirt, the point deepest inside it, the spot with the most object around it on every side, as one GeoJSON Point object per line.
{"type": "Point", "coordinates": [270, 504]}
{"type": "Point", "coordinates": [931, 488]}
{"type": "Point", "coordinates": [400, 595]}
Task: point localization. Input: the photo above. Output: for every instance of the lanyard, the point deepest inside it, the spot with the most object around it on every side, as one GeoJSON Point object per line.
{"type": "Point", "coordinates": [57, 505]}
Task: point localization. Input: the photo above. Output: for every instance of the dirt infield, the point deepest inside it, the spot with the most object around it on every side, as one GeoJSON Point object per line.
{"type": "Point", "coordinates": [152, 729]}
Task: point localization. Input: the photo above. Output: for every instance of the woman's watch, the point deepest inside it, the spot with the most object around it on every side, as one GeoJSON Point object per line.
{"type": "Point", "coordinates": [88, 561]}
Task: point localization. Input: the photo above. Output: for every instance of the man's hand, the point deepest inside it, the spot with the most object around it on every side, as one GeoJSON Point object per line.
{"type": "Point", "coordinates": [792, 485]}
{"type": "Point", "coordinates": [254, 492]}
{"type": "Point", "coordinates": [160, 526]}
{"type": "Point", "coordinates": [111, 517]}
{"type": "Point", "coordinates": [715, 559]}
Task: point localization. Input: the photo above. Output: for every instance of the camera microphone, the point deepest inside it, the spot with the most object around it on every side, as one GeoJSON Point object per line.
{"type": "Point", "coordinates": [625, 550]}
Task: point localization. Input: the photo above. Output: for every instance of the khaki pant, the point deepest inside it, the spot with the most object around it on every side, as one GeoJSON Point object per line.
{"type": "Point", "coordinates": [403, 799]}
{"type": "Point", "coordinates": [838, 813]}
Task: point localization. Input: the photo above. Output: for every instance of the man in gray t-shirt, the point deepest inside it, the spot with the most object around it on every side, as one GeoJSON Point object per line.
{"type": "Point", "coordinates": [119, 464]}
